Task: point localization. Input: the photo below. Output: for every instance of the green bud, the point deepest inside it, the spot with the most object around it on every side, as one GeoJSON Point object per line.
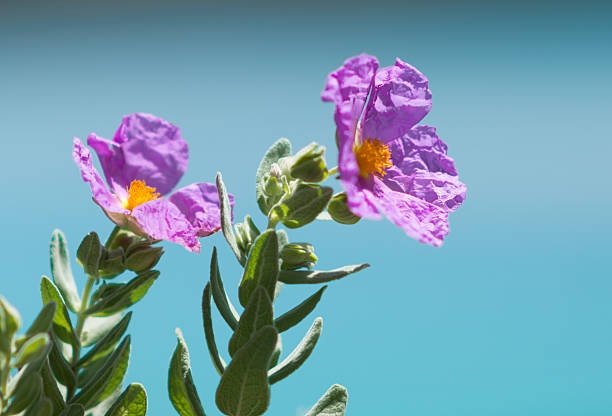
{"type": "Point", "coordinates": [309, 164]}
{"type": "Point", "coordinates": [273, 186]}
{"type": "Point", "coordinates": [112, 263]}
{"type": "Point", "coordinates": [142, 257]}
{"type": "Point", "coordinates": [296, 255]}
{"type": "Point", "coordinates": [124, 239]}
{"type": "Point", "coordinates": [89, 254]}
{"type": "Point", "coordinates": [339, 210]}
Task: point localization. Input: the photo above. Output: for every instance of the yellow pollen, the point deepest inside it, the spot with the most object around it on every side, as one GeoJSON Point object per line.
{"type": "Point", "coordinates": [139, 193]}
{"type": "Point", "coordinates": [373, 157]}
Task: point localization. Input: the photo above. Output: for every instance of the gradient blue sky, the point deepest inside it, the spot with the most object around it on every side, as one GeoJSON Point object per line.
{"type": "Point", "coordinates": [511, 317]}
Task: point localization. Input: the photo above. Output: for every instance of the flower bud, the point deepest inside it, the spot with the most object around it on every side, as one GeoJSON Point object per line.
{"type": "Point", "coordinates": [339, 210]}
{"type": "Point", "coordinates": [112, 263]}
{"type": "Point", "coordinates": [141, 256]}
{"type": "Point", "coordinates": [309, 164]}
{"type": "Point", "coordinates": [296, 255]}
{"type": "Point", "coordinates": [273, 186]}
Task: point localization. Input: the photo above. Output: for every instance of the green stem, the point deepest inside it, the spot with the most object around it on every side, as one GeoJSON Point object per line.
{"type": "Point", "coordinates": [332, 171]}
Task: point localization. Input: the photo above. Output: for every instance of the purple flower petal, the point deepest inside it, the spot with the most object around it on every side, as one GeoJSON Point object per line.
{"type": "Point", "coordinates": [423, 169]}
{"type": "Point", "coordinates": [162, 220]}
{"type": "Point", "coordinates": [351, 80]}
{"type": "Point", "coordinates": [145, 148]}
{"type": "Point", "coordinates": [101, 194]}
{"type": "Point", "coordinates": [399, 100]}
{"type": "Point", "coordinates": [199, 202]}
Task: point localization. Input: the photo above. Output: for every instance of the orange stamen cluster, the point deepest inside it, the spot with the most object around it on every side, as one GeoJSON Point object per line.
{"type": "Point", "coordinates": [139, 193]}
{"type": "Point", "coordinates": [373, 157]}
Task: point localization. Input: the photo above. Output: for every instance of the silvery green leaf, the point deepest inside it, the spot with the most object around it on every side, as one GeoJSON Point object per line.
{"type": "Point", "coordinates": [209, 333]}
{"type": "Point", "coordinates": [281, 148]}
{"type": "Point", "coordinates": [261, 268]}
{"type": "Point", "coordinates": [61, 367]}
{"type": "Point", "coordinates": [106, 344]}
{"type": "Point", "coordinates": [182, 391]}
{"type": "Point", "coordinates": [244, 388]}
{"type": "Point", "coordinates": [43, 407]}
{"type": "Point", "coordinates": [132, 402]}
{"type": "Point", "coordinates": [226, 219]}
{"type": "Point", "coordinates": [108, 378]}
{"type": "Point", "coordinates": [11, 319]}
{"type": "Point", "coordinates": [26, 392]}
{"type": "Point", "coordinates": [124, 297]}
{"type": "Point", "coordinates": [218, 292]}
{"type": "Point", "coordinates": [296, 315]}
{"type": "Point", "coordinates": [89, 254]}
{"type": "Point", "coordinates": [61, 320]}
{"type": "Point", "coordinates": [318, 276]}
{"type": "Point", "coordinates": [61, 271]}
{"type": "Point", "coordinates": [332, 403]}
{"type": "Point", "coordinates": [97, 327]}
{"type": "Point", "coordinates": [43, 321]}
{"type": "Point", "coordinates": [50, 388]}
{"type": "Point", "coordinates": [257, 314]}
{"type": "Point", "coordinates": [31, 350]}
{"type": "Point", "coordinates": [298, 355]}
{"type": "Point", "coordinates": [303, 206]}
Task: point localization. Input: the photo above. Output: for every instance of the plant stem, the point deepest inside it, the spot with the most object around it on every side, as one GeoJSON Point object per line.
{"type": "Point", "coordinates": [332, 171]}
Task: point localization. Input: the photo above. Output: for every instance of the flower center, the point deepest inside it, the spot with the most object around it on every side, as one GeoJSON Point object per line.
{"type": "Point", "coordinates": [373, 158]}
{"type": "Point", "coordinates": [139, 193]}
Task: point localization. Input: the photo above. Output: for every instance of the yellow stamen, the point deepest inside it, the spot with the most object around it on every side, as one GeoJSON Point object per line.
{"type": "Point", "coordinates": [373, 157]}
{"type": "Point", "coordinates": [139, 193]}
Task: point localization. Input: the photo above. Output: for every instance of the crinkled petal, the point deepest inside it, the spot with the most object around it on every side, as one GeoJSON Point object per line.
{"type": "Point", "coordinates": [351, 80]}
{"type": "Point", "coordinates": [162, 220]}
{"type": "Point", "coordinates": [145, 148]}
{"type": "Point", "coordinates": [199, 202]}
{"type": "Point", "coordinates": [419, 219]}
{"type": "Point", "coordinates": [399, 99]}
{"type": "Point", "coordinates": [101, 194]}
{"type": "Point", "coordinates": [423, 169]}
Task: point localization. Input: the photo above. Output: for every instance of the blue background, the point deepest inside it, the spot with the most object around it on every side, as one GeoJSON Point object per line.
{"type": "Point", "coordinates": [513, 316]}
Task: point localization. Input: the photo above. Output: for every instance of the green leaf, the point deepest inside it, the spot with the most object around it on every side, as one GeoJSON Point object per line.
{"type": "Point", "coordinates": [43, 321]}
{"type": "Point", "coordinates": [332, 403]}
{"type": "Point", "coordinates": [209, 333]}
{"type": "Point", "coordinates": [281, 148]}
{"type": "Point", "coordinates": [296, 315]}
{"type": "Point", "coordinates": [50, 388]}
{"type": "Point", "coordinates": [132, 402]}
{"type": "Point", "coordinates": [181, 389]}
{"type": "Point", "coordinates": [26, 392]}
{"type": "Point", "coordinates": [302, 207]}
{"type": "Point", "coordinates": [125, 297]}
{"type": "Point", "coordinates": [257, 314]}
{"type": "Point", "coordinates": [96, 328]}
{"type": "Point", "coordinates": [226, 219]}
{"type": "Point", "coordinates": [61, 367]}
{"type": "Point", "coordinates": [43, 407]}
{"type": "Point", "coordinates": [11, 319]}
{"type": "Point", "coordinates": [298, 355]}
{"type": "Point", "coordinates": [61, 320]}
{"type": "Point", "coordinates": [32, 349]}
{"type": "Point", "coordinates": [89, 254]}
{"type": "Point", "coordinates": [106, 344]}
{"type": "Point", "coordinates": [261, 267]}
{"type": "Point", "coordinates": [108, 378]}
{"type": "Point", "coordinates": [244, 388]}
{"type": "Point", "coordinates": [75, 409]}
{"type": "Point", "coordinates": [218, 292]}
{"type": "Point", "coordinates": [61, 271]}
{"type": "Point", "coordinates": [318, 276]}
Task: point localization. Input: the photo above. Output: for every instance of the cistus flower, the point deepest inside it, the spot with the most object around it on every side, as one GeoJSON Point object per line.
{"type": "Point", "coordinates": [144, 161]}
{"type": "Point", "coordinates": [389, 165]}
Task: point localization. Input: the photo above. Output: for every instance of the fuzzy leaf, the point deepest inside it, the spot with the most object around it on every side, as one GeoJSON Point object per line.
{"type": "Point", "coordinates": [43, 407]}
{"type": "Point", "coordinates": [106, 344]}
{"type": "Point", "coordinates": [209, 333]}
{"type": "Point", "coordinates": [132, 402]}
{"type": "Point", "coordinates": [261, 267]}
{"type": "Point", "coordinates": [50, 388]}
{"type": "Point", "coordinates": [281, 148]}
{"type": "Point", "coordinates": [298, 355]}
{"type": "Point", "coordinates": [226, 219]}
{"type": "Point", "coordinates": [43, 321]}
{"type": "Point", "coordinates": [89, 254]}
{"type": "Point", "coordinates": [61, 320]}
{"type": "Point", "coordinates": [181, 389]}
{"type": "Point", "coordinates": [124, 297]}
{"type": "Point", "coordinates": [332, 403]}
{"type": "Point", "coordinates": [244, 388]}
{"type": "Point", "coordinates": [32, 349]}
{"type": "Point", "coordinates": [26, 392]}
{"type": "Point", "coordinates": [257, 314]}
{"type": "Point", "coordinates": [75, 409]}
{"type": "Point", "coordinates": [96, 328]}
{"type": "Point", "coordinates": [303, 206]}
{"type": "Point", "coordinates": [296, 315]}
{"type": "Point", "coordinates": [318, 276]}
{"type": "Point", "coordinates": [61, 367]}
{"type": "Point", "coordinates": [218, 292]}
{"type": "Point", "coordinates": [61, 271]}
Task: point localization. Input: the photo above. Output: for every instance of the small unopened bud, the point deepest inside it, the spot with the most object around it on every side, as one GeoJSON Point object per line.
{"type": "Point", "coordinates": [296, 255]}
{"type": "Point", "coordinates": [309, 164]}
{"type": "Point", "coordinates": [142, 256]}
{"type": "Point", "coordinates": [112, 263]}
{"type": "Point", "coordinates": [339, 211]}
{"type": "Point", "coordinates": [273, 186]}
{"type": "Point", "coordinates": [276, 171]}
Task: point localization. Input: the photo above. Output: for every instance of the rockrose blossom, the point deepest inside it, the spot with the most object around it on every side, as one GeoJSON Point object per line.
{"type": "Point", "coordinates": [144, 161]}
{"type": "Point", "coordinates": [388, 164]}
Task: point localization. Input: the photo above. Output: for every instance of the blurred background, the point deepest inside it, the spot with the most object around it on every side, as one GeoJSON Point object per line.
{"type": "Point", "coordinates": [513, 316]}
